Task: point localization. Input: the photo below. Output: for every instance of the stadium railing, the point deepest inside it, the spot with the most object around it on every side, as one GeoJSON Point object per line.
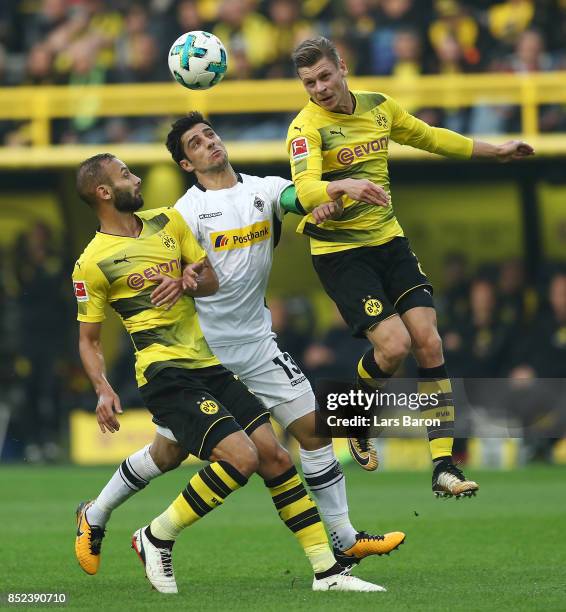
{"type": "Point", "coordinates": [39, 105]}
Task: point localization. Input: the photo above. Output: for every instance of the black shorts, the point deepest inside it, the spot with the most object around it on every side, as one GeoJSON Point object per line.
{"type": "Point", "coordinates": [371, 284]}
{"type": "Point", "coordinates": [201, 407]}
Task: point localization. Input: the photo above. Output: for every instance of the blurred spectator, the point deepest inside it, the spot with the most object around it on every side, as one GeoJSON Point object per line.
{"type": "Point", "coordinates": [408, 54]}
{"type": "Point", "coordinates": [542, 352]}
{"type": "Point", "coordinates": [455, 23]}
{"type": "Point", "coordinates": [356, 25]}
{"type": "Point", "coordinates": [287, 30]}
{"type": "Point", "coordinates": [137, 51]}
{"type": "Point", "coordinates": [476, 347]}
{"type": "Point", "coordinates": [92, 30]}
{"type": "Point", "coordinates": [39, 66]}
{"type": "Point", "coordinates": [454, 300]}
{"type": "Point", "coordinates": [244, 29]}
{"type": "Point", "coordinates": [337, 354]}
{"type": "Point", "coordinates": [449, 59]}
{"type": "Point", "coordinates": [391, 16]}
{"type": "Point", "coordinates": [289, 338]}
{"type": "Point", "coordinates": [529, 56]}
{"type": "Point", "coordinates": [516, 302]}
{"type": "Point", "coordinates": [43, 312]}
{"type": "Point", "coordinates": [52, 14]}
{"type": "Point", "coordinates": [508, 20]}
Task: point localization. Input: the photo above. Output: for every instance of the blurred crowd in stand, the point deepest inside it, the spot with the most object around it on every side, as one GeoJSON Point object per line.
{"type": "Point", "coordinates": [81, 42]}
{"type": "Point", "coordinates": [493, 324]}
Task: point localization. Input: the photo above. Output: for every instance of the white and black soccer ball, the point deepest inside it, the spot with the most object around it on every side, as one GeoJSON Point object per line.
{"type": "Point", "coordinates": [198, 60]}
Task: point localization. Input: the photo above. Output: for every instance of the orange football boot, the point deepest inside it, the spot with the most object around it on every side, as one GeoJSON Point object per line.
{"type": "Point", "coordinates": [88, 541]}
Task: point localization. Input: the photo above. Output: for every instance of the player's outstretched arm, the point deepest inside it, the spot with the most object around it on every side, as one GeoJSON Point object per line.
{"type": "Point", "coordinates": [199, 279]}
{"type": "Point", "coordinates": [506, 152]}
{"type": "Point", "coordinates": [90, 349]}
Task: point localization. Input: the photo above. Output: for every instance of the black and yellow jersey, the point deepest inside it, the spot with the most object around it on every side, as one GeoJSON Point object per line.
{"type": "Point", "coordinates": [324, 146]}
{"type": "Point", "coordinates": [118, 270]}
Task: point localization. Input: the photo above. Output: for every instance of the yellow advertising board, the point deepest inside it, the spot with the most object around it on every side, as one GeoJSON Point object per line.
{"type": "Point", "coordinates": [89, 446]}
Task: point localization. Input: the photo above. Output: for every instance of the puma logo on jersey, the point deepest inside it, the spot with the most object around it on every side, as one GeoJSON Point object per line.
{"type": "Point", "coordinates": [123, 260]}
{"type": "Point", "coordinates": [241, 237]}
{"type": "Point", "coordinates": [338, 132]}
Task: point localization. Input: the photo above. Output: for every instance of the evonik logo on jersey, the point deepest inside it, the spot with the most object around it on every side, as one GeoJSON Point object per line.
{"type": "Point", "coordinates": [241, 237]}
{"type": "Point", "coordinates": [347, 155]}
{"type": "Point", "coordinates": [137, 280]}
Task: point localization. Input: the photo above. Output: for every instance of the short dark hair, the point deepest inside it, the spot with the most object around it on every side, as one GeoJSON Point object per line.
{"type": "Point", "coordinates": [90, 174]}
{"type": "Point", "coordinates": [312, 50]}
{"type": "Point", "coordinates": [174, 144]}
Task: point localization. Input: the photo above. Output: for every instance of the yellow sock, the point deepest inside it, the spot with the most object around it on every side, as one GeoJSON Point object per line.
{"type": "Point", "coordinates": [297, 510]}
{"type": "Point", "coordinates": [437, 385]}
{"type": "Point", "coordinates": [206, 490]}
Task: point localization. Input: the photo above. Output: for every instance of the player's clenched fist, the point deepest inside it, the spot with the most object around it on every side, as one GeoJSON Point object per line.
{"type": "Point", "coordinates": [514, 149]}
{"type": "Point", "coordinates": [328, 211]}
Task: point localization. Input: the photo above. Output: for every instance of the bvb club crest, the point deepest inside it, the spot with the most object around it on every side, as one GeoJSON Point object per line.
{"type": "Point", "coordinates": [209, 407]}
{"type": "Point", "coordinates": [381, 120]}
{"type": "Point", "coordinates": [168, 241]}
{"type": "Point", "coordinates": [372, 306]}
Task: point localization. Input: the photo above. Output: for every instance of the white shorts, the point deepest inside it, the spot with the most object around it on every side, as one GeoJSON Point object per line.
{"type": "Point", "coordinates": [271, 375]}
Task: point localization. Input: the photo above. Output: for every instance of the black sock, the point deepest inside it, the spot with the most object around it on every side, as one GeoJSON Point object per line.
{"type": "Point", "coordinates": [156, 541]}
{"type": "Point", "coordinates": [335, 569]}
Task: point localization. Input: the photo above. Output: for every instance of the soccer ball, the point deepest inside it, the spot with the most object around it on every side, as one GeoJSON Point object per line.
{"type": "Point", "coordinates": [197, 60]}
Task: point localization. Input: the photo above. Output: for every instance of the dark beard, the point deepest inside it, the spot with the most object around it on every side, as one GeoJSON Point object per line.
{"type": "Point", "coordinates": [127, 202]}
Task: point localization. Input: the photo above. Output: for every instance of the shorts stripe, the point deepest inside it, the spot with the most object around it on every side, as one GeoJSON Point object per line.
{"type": "Point", "coordinates": [409, 291]}
{"type": "Point", "coordinates": [208, 431]}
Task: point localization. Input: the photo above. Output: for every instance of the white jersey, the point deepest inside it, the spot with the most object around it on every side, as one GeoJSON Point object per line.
{"type": "Point", "coordinates": [236, 227]}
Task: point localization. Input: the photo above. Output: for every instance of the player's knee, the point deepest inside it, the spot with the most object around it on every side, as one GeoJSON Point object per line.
{"type": "Point", "coordinates": [246, 461]}
{"type": "Point", "coordinates": [396, 346]}
{"type": "Point", "coordinates": [282, 459]}
{"type": "Point", "coordinates": [273, 458]}
{"type": "Point", "coordinates": [429, 344]}
{"type": "Point", "coordinates": [167, 457]}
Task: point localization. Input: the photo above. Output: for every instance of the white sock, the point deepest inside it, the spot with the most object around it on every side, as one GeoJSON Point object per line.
{"type": "Point", "coordinates": [132, 476]}
{"type": "Point", "coordinates": [324, 477]}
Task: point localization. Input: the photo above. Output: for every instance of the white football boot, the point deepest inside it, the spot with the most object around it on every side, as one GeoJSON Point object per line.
{"type": "Point", "coordinates": [157, 562]}
{"type": "Point", "coordinates": [344, 582]}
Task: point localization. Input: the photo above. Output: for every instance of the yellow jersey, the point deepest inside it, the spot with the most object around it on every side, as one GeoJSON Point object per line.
{"type": "Point", "coordinates": [118, 270]}
{"type": "Point", "coordinates": [324, 146]}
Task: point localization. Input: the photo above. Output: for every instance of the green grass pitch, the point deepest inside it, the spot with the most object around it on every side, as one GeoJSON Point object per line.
{"type": "Point", "coordinates": [503, 550]}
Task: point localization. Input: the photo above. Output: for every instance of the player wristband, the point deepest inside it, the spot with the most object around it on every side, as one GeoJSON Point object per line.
{"type": "Point", "coordinates": [289, 202]}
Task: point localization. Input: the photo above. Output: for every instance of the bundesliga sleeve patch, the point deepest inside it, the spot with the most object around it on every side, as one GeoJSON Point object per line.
{"type": "Point", "coordinates": [81, 292]}
{"type": "Point", "coordinates": [299, 148]}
